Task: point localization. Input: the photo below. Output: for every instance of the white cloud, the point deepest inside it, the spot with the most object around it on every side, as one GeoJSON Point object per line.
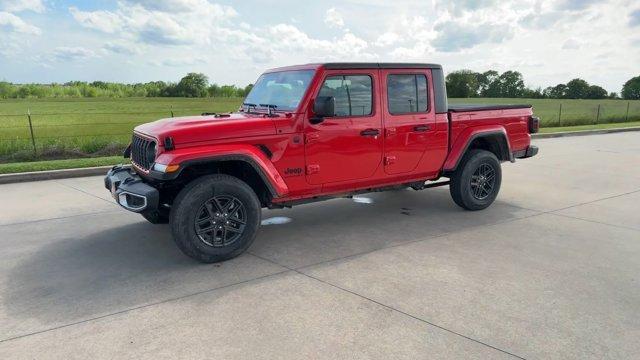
{"type": "Point", "coordinates": [123, 48]}
{"type": "Point", "coordinates": [386, 39]}
{"type": "Point", "coordinates": [182, 61]}
{"type": "Point", "coordinates": [571, 44]}
{"type": "Point", "coordinates": [576, 5]}
{"type": "Point", "coordinates": [634, 18]}
{"type": "Point", "coordinates": [64, 53]}
{"type": "Point", "coordinates": [167, 22]}
{"type": "Point", "coordinates": [22, 5]}
{"type": "Point", "coordinates": [13, 23]}
{"type": "Point", "coordinates": [183, 6]}
{"type": "Point", "coordinates": [105, 21]}
{"type": "Point", "coordinates": [333, 18]}
{"type": "Point", "coordinates": [454, 36]}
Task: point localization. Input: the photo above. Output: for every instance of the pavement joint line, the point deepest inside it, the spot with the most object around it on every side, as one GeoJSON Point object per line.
{"type": "Point", "coordinates": [82, 191]}
{"type": "Point", "coordinates": [414, 317]}
{"type": "Point", "coordinates": [593, 201]}
{"type": "Point", "coordinates": [390, 307]}
{"type": "Point", "coordinates": [595, 221]}
{"type": "Point", "coordinates": [124, 311]}
{"type": "Point", "coordinates": [59, 218]}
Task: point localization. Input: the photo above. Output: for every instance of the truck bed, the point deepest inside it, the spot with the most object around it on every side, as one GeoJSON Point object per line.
{"type": "Point", "coordinates": [475, 107]}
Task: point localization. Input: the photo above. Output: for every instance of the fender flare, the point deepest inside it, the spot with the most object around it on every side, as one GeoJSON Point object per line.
{"type": "Point", "coordinates": [249, 154]}
{"type": "Point", "coordinates": [466, 138]}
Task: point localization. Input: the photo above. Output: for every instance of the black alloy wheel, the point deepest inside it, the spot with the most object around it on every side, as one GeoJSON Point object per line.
{"type": "Point", "coordinates": [220, 221]}
{"type": "Point", "coordinates": [482, 181]}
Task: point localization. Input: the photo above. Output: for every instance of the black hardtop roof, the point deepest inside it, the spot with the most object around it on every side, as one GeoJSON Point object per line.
{"type": "Point", "coordinates": [385, 65]}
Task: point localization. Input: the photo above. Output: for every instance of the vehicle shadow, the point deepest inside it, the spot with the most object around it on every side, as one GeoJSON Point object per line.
{"type": "Point", "coordinates": [340, 228]}
{"type": "Point", "coordinates": [82, 277]}
{"type": "Point", "coordinates": [134, 264]}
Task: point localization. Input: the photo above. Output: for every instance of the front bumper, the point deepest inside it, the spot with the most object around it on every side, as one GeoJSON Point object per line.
{"type": "Point", "coordinates": [129, 190]}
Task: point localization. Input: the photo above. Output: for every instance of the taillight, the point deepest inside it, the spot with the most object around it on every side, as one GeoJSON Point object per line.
{"type": "Point", "coordinates": [534, 124]}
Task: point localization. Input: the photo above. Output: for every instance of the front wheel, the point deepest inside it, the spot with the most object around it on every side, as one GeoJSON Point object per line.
{"type": "Point", "coordinates": [476, 182]}
{"type": "Point", "coordinates": [215, 218]}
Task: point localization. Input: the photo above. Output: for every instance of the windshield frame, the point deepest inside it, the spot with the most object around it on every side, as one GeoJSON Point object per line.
{"type": "Point", "coordinates": [261, 106]}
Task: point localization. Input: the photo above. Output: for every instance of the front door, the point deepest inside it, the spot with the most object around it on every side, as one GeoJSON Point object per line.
{"type": "Point", "coordinates": [347, 146]}
{"type": "Point", "coordinates": [408, 118]}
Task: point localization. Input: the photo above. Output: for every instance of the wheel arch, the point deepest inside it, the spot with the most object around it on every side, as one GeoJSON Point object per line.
{"type": "Point", "coordinates": [494, 141]}
{"type": "Point", "coordinates": [241, 166]}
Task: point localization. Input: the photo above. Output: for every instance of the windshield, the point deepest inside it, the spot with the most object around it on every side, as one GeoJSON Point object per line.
{"type": "Point", "coordinates": [280, 90]}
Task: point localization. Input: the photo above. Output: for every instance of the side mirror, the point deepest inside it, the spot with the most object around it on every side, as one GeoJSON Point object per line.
{"type": "Point", "coordinates": [324, 106]}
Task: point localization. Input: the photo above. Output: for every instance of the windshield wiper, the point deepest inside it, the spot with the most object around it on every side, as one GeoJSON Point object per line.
{"type": "Point", "coordinates": [249, 106]}
{"type": "Point", "coordinates": [270, 108]}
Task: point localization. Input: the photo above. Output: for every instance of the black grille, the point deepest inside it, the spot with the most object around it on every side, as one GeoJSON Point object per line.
{"type": "Point", "coordinates": [143, 152]}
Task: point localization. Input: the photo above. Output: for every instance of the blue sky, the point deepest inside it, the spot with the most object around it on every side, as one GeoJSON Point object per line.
{"type": "Point", "coordinates": [233, 41]}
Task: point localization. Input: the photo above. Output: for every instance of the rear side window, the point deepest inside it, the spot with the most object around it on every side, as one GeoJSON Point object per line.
{"type": "Point", "coordinates": [407, 93]}
{"type": "Point", "coordinates": [353, 94]}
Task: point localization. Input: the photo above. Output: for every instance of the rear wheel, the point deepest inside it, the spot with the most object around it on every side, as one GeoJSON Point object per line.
{"type": "Point", "coordinates": [214, 218]}
{"type": "Point", "coordinates": [476, 182]}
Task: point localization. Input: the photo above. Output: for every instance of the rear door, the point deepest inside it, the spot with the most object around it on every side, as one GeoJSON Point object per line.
{"type": "Point", "coordinates": [409, 118]}
{"type": "Point", "coordinates": [347, 146]}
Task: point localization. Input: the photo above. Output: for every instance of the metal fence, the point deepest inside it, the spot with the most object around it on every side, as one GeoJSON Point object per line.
{"type": "Point", "coordinates": [31, 135]}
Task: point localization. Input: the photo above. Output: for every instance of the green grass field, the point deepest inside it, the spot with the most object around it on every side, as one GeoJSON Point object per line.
{"type": "Point", "coordinates": [79, 128]}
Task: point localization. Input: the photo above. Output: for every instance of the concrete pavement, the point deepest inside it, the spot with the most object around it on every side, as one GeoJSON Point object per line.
{"type": "Point", "coordinates": [549, 271]}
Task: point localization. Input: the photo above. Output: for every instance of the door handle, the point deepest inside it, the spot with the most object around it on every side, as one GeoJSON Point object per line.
{"type": "Point", "coordinates": [370, 132]}
{"type": "Point", "coordinates": [422, 128]}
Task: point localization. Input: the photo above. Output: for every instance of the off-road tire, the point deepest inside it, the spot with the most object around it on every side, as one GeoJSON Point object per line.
{"type": "Point", "coordinates": [461, 187]}
{"type": "Point", "coordinates": [190, 202]}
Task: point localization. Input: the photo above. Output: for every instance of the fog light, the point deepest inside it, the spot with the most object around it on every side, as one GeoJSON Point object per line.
{"type": "Point", "coordinates": [132, 201]}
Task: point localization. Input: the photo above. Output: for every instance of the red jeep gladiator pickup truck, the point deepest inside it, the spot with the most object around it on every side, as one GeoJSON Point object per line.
{"type": "Point", "coordinates": [313, 132]}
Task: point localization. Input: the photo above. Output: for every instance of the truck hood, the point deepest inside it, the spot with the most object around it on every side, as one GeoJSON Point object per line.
{"type": "Point", "coordinates": [191, 129]}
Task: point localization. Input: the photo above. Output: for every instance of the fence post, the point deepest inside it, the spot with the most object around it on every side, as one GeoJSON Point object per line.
{"type": "Point", "coordinates": [171, 107]}
{"type": "Point", "coordinates": [598, 115]}
{"type": "Point", "coordinates": [560, 116]}
{"type": "Point", "coordinates": [627, 117]}
{"type": "Point", "coordinates": [33, 139]}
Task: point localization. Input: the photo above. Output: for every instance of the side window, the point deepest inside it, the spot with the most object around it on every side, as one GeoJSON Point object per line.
{"type": "Point", "coordinates": [407, 93]}
{"type": "Point", "coordinates": [353, 94]}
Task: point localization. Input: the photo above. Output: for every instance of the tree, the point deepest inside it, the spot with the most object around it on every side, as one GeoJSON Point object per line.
{"type": "Point", "coordinates": [613, 95]}
{"type": "Point", "coordinates": [511, 84]}
{"type": "Point", "coordinates": [533, 93]}
{"type": "Point", "coordinates": [7, 90]}
{"type": "Point", "coordinates": [596, 92]}
{"type": "Point", "coordinates": [631, 89]}
{"type": "Point", "coordinates": [488, 83]}
{"type": "Point", "coordinates": [577, 89]}
{"type": "Point", "coordinates": [193, 85]}
{"type": "Point", "coordinates": [246, 90]}
{"type": "Point", "coordinates": [462, 84]}
{"type": "Point", "coordinates": [556, 92]}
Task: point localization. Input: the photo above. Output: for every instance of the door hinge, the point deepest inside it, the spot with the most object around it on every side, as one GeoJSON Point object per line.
{"type": "Point", "coordinates": [313, 169]}
{"type": "Point", "coordinates": [388, 160]}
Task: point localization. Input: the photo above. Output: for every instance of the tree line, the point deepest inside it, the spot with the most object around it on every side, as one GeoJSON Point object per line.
{"type": "Point", "coordinates": [460, 84]}
{"type": "Point", "coordinates": [510, 84]}
{"type": "Point", "coordinates": [191, 85]}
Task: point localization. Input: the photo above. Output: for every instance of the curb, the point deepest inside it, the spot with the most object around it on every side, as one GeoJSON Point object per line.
{"type": "Point", "coordinates": [584, 132]}
{"type": "Point", "coordinates": [53, 174]}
